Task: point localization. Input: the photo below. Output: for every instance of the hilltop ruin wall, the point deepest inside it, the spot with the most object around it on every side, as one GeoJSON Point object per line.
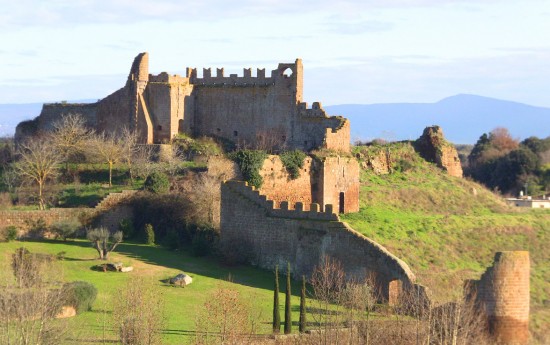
{"type": "Point", "coordinates": [268, 236]}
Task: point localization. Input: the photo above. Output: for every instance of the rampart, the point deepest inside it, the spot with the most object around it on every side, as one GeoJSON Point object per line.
{"type": "Point", "coordinates": [268, 236]}
{"type": "Point", "coordinates": [503, 293]}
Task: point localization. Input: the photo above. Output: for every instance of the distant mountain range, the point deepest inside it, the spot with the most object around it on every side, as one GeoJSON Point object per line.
{"type": "Point", "coordinates": [463, 118]}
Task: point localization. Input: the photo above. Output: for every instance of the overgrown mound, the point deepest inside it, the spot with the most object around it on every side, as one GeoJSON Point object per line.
{"type": "Point", "coordinates": [446, 228]}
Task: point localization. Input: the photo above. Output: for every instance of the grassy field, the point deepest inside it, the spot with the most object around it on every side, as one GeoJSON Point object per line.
{"type": "Point", "coordinates": [447, 229]}
{"type": "Point", "coordinates": [156, 264]}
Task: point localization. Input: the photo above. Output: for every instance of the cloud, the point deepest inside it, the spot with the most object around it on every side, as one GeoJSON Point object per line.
{"type": "Point", "coordinates": [62, 13]}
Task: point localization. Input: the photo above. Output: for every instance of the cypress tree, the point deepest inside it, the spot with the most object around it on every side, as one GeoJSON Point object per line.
{"type": "Point", "coordinates": [303, 306]}
{"type": "Point", "coordinates": [276, 313]}
{"type": "Point", "coordinates": [288, 314]}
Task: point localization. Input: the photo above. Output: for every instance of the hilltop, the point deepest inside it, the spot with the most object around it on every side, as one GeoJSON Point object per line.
{"type": "Point", "coordinates": [446, 228]}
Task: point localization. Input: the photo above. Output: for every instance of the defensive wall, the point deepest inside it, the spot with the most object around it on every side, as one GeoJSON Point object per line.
{"type": "Point", "coordinates": [327, 180]}
{"type": "Point", "coordinates": [246, 109]}
{"type": "Point", "coordinates": [109, 212]}
{"type": "Point", "coordinates": [267, 236]}
{"type": "Point", "coordinates": [503, 293]}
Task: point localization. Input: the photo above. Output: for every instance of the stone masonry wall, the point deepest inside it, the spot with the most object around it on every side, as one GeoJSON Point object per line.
{"type": "Point", "coordinates": [330, 180]}
{"type": "Point", "coordinates": [269, 236]}
{"type": "Point", "coordinates": [109, 212]}
{"type": "Point", "coordinates": [503, 291]}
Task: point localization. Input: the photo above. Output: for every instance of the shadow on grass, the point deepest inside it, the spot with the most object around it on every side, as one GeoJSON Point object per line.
{"type": "Point", "coordinates": [183, 261]}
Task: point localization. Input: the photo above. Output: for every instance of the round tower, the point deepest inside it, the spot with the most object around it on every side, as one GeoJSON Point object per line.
{"type": "Point", "coordinates": [504, 290]}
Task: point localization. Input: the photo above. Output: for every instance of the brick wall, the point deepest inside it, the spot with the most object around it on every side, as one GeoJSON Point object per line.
{"type": "Point", "coordinates": [503, 291]}
{"type": "Point", "coordinates": [268, 236]}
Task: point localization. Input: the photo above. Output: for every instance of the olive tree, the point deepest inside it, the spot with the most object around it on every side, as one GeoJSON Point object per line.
{"type": "Point", "coordinates": [104, 241]}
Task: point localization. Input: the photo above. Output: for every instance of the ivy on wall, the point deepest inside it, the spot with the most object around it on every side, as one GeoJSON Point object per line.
{"type": "Point", "coordinates": [293, 162]}
{"type": "Point", "coordinates": [250, 162]}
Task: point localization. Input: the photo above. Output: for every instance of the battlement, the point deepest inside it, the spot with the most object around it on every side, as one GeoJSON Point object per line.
{"type": "Point", "coordinates": [316, 211]}
{"type": "Point", "coordinates": [284, 72]}
{"type": "Point", "coordinates": [167, 78]}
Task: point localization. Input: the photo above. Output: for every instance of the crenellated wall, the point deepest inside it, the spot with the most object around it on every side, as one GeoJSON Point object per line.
{"type": "Point", "coordinates": [330, 180]}
{"type": "Point", "coordinates": [248, 110]}
{"type": "Point", "coordinates": [269, 236]}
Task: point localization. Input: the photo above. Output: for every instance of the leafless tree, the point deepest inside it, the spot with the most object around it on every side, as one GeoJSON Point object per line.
{"type": "Point", "coordinates": [129, 140]}
{"type": "Point", "coordinates": [30, 302]}
{"type": "Point", "coordinates": [143, 164]}
{"type": "Point", "coordinates": [70, 136]}
{"type": "Point", "coordinates": [107, 148]}
{"type": "Point", "coordinates": [38, 162]}
{"type": "Point", "coordinates": [138, 313]}
{"type": "Point", "coordinates": [104, 241]}
{"type": "Point", "coordinates": [226, 318]}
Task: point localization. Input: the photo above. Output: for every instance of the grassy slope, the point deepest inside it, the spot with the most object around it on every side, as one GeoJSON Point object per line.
{"type": "Point", "coordinates": [157, 264]}
{"type": "Point", "coordinates": [446, 233]}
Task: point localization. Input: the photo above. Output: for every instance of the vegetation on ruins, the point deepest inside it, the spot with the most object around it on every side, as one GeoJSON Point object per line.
{"type": "Point", "coordinates": [293, 162]}
{"type": "Point", "coordinates": [250, 162]}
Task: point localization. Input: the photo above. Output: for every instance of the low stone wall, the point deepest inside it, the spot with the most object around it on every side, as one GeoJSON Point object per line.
{"type": "Point", "coordinates": [268, 236]}
{"type": "Point", "coordinates": [109, 212]}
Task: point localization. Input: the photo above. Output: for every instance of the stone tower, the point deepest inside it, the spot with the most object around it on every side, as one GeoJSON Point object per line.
{"type": "Point", "coordinates": [503, 291]}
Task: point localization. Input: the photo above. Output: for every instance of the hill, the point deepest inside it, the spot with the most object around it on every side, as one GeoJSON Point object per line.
{"type": "Point", "coordinates": [463, 117]}
{"type": "Point", "coordinates": [448, 229]}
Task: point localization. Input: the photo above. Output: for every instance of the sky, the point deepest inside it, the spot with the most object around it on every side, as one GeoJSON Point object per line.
{"type": "Point", "coordinates": [354, 52]}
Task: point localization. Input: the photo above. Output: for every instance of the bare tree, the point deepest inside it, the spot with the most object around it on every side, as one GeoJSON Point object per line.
{"type": "Point", "coordinates": [143, 164]}
{"type": "Point", "coordinates": [139, 313]}
{"type": "Point", "coordinates": [226, 318]}
{"type": "Point", "coordinates": [70, 136]}
{"type": "Point", "coordinates": [129, 140]}
{"type": "Point", "coordinates": [107, 148]}
{"type": "Point", "coordinates": [37, 162]}
{"type": "Point", "coordinates": [104, 241]}
{"type": "Point", "coordinates": [30, 302]}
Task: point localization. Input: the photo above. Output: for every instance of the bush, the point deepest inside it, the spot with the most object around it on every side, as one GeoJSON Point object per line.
{"type": "Point", "coordinates": [250, 162]}
{"type": "Point", "coordinates": [127, 228]}
{"type": "Point", "coordinates": [293, 162]}
{"type": "Point", "coordinates": [79, 294]}
{"type": "Point", "coordinates": [204, 241]}
{"type": "Point", "coordinates": [149, 234]}
{"type": "Point", "coordinates": [11, 233]}
{"type": "Point", "coordinates": [65, 229]}
{"type": "Point", "coordinates": [157, 183]}
{"type": "Point", "coordinates": [37, 228]}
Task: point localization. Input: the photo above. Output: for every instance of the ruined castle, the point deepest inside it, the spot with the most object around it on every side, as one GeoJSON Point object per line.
{"type": "Point", "coordinates": [247, 109]}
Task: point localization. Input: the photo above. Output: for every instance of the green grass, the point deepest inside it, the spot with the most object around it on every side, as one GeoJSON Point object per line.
{"type": "Point", "coordinates": [447, 229]}
{"type": "Point", "coordinates": [157, 264]}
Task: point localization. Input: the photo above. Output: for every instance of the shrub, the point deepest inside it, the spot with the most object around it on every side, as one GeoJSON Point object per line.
{"type": "Point", "coordinates": [250, 162]}
{"type": "Point", "coordinates": [37, 228]}
{"type": "Point", "coordinates": [65, 229]}
{"type": "Point", "coordinates": [157, 183]}
{"type": "Point", "coordinates": [204, 241]}
{"type": "Point", "coordinates": [79, 294]}
{"type": "Point", "coordinates": [11, 233]}
{"type": "Point", "coordinates": [149, 234]}
{"type": "Point", "coordinates": [293, 162]}
{"type": "Point", "coordinates": [127, 228]}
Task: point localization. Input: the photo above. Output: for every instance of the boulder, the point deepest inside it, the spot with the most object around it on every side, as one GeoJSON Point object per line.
{"type": "Point", "coordinates": [181, 280]}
